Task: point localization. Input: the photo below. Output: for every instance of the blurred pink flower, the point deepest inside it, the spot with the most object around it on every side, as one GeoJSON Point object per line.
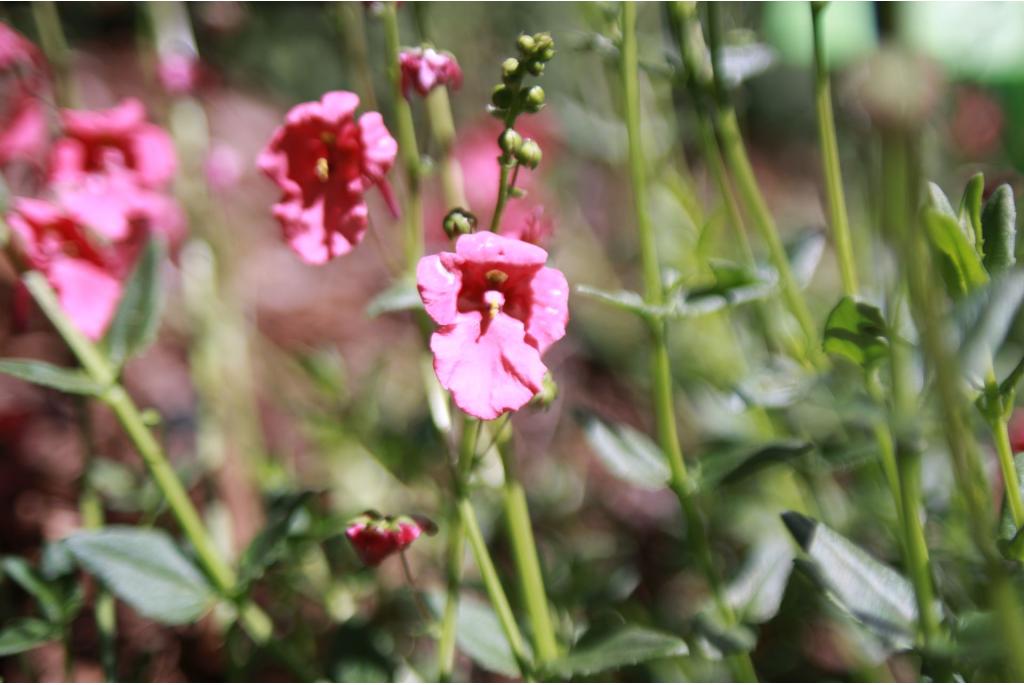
{"type": "Point", "coordinates": [93, 140]}
{"type": "Point", "coordinates": [324, 160]}
{"type": "Point", "coordinates": [178, 73]}
{"type": "Point", "coordinates": [423, 69]}
{"type": "Point", "coordinates": [531, 226]}
{"type": "Point", "coordinates": [59, 248]}
{"type": "Point", "coordinates": [376, 537]}
{"type": "Point", "coordinates": [499, 309]}
{"type": "Point", "coordinates": [223, 167]}
{"type": "Point", "coordinates": [24, 134]}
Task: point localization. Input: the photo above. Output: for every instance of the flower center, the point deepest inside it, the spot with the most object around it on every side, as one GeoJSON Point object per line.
{"type": "Point", "coordinates": [494, 301]}
{"type": "Point", "coordinates": [323, 169]}
{"type": "Point", "coordinates": [496, 276]}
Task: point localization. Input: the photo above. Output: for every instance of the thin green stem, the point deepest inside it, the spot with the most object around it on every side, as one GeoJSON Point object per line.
{"type": "Point", "coordinates": [407, 147]}
{"type": "Point", "coordinates": [661, 372]}
{"type": "Point", "coordinates": [531, 578]}
{"type": "Point", "coordinates": [1001, 437]}
{"type": "Point", "coordinates": [830, 157]}
{"type": "Point", "coordinates": [739, 163]}
{"type": "Point", "coordinates": [55, 47]}
{"type": "Point", "coordinates": [352, 27]}
{"type": "Point", "coordinates": [442, 127]}
{"type": "Point", "coordinates": [499, 206]}
{"type": "Point", "coordinates": [916, 548]}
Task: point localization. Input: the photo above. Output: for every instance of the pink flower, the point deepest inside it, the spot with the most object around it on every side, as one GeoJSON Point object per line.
{"type": "Point", "coordinates": [377, 537]}
{"type": "Point", "coordinates": [423, 69]}
{"type": "Point", "coordinates": [531, 226]}
{"type": "Point", "coordinates": [52, 243]}
{"type": "Point", "coordinates": [93, 140]}
{"type": "Point", "coordinates": [223, 167]}
{"type": "Point", "coordinates": [178, 73]}
{"type": "Point", "coordinates": [324, 160]}
{"type": "Point", "coordinates": [24, 134]}
{"type": "Point", "coordinates": [499, 309]}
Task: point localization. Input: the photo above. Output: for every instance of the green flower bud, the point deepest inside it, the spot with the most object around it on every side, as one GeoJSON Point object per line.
{"type": "Point", "coordinates": [509, 68]}
{"type": "Point", "coordinates": [533, 99]}
{"type": "Point", "coordinates": [546, 55]}
{"type": "Point", "coordinates": [548, 392]}
{"type": "Point", "coordinates": [529, 154]}
{"type": "Point", "coordinates": [526, 44]}
{"type": "Point", "coordinates": [535, 68]}
{"type": "Point", "coordinates": [458, 222]}
{"type": "Point", "coordinates": [543, 41]}
{"type": "Point", "coordinates": [501, 96]}
{"type": "Point", "coordinates": [509, 141]}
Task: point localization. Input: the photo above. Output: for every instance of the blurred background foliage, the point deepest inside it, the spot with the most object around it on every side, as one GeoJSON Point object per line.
{"type": "Point", "coordinates": [336, 397]}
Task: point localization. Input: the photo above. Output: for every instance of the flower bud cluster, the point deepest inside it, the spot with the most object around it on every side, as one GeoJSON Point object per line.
{"type": "Point", "coordinates": [511, 97]}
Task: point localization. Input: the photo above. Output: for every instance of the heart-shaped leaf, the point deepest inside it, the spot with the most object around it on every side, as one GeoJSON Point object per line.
{"type": "Point", "coordinates": [145, 568]}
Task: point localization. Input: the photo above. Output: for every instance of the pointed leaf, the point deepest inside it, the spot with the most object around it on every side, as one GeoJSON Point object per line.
{"type": "Point", "coordinates": [999, 224]}
{"type": "Point", "coordinates": [970, 210]}
{"type": "Point", "coordinates": [756, 593]}
{"type": "Point", "coordinates": [48, 375]}
{"type": "Point", "coordinates": [23, 634]}
{"type": "Point", "coordinates": [626, 300]}
{"type": "Point", "coordinates": [937, 200]}
{"type": "Point", "coordinates": [732, 463]}
{"type": "Point", "coordinates": [732, 284]}
{"type": "Point", "coordinates": [19, 570]}
{"type": "Point", "coordinates": [627, 453]}
{"type": "Point", "coordinates": [626, 646]}
{"type": "Point", "coordinates": [137, 318]}
{"type": "Point", "coordinates": [949, 238]}
{"type": "Point", "coordinates": [857, 331]}
{"type": "Point", "coordinates": [145, 568]}
{"type": "Point", "coordinates": [873, 593]}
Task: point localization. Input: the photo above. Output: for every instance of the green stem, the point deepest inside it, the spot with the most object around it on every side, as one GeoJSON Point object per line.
{"type": "Point", "coordinates": [55, 47]}
{"type": "Point", "coordinates": [830, 157]}
{"type": "Point", "coordinates": [661, 372]}
{"type": "Point", "coordinates": [736, 157]}
{"type": "Point", "coordinates": [524, 548]}
{"type": "Point", "coordinates": [916, 548]}
{"type": "Point", "coordinates": [352, 27]}
{"type": "Point", "coordinates": [499, 206]}
{"type": "Point", "coordinates": [443, 128]}
{"type": "Point", "coordinates": [1001, 437]}
{"type": "Point", "coordinates": [407, 147]}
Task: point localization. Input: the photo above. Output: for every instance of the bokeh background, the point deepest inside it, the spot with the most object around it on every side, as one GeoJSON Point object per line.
{"type": "Point", "coordinates": [271, 378]}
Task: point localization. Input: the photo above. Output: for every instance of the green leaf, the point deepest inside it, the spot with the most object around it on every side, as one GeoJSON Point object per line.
{"type": "Point", "coordinates": [857, 331]}
{"type": "Point", "coordinates": [970, 210]}
{"type": "Point", "coordinates": [627, 453]}
{"type": "Point", "coordinates": [731, 463]}
{"type": "Point", "coordinates": [999, 226]}
{"type": "Point", "coordinates": [756, 593]}
{"type": "Point", "coordinates": [732, 284]}
{"type": "Point", "coordinates": [287, 518]}
{"type": "Point", "coordinates": [144, 568]}
{"type": "Point", "coordinates": [400, 296]}
{"type": "Point", "coordinates": [23, 634]}
{"type": "Point", "coordinates": [43, 373]}
{"type": "Point", "coordinates": [137, 318]}
{"type": "Point", "coordinates": [626, 300]}
{"type": "Point", "coordinates": [479, 635]}
{"type": "Point", "coordinates": [937, 200]}
{"type": "Point", "coordinates": [626, 646]}
{"type": "Point", "coordinates": [19, 570]}
{"type": "Point", "coordinates": [950, 239]}
{"type": "Point", "coordinates": [983, 319]}
{"type": "Point", "coordinates": [873, 593]}
{"type": "Point", "coordinates": [805, 252]}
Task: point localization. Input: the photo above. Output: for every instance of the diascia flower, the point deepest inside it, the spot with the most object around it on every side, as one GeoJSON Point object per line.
{"type": "Point", "coordinates": [498, 308]}
{"type": "Point", "coordinates": [376, 537]}
{"type": "Point", "coordinates": [324, 160]}
{"type": "Point", "coordinates": [83, 276]}
{"type": "Point", "coordinates": [423, 69]}
{"type": "Point", "coordinates": [93, 140]}
{"type": "Point", "coordinates": [23, 125]}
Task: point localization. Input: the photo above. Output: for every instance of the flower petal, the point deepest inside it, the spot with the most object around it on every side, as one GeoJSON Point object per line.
{"type": "Point", "coordinates": [87, 293]}
{"type": "Point", "coordinates": [438, 279]}
{"type": "Point", "coordinates": [549, 310]}
{"type": "Point", "coordinates": [490, 248]}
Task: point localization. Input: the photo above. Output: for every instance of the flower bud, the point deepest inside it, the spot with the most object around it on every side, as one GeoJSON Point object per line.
{"type": "Point", "coordinates": [543, 42]}
{"type": "Point", "coordinates": [526, 44]}
{"type": "Point", "coordinates": [375, 537]}
{"type": "Point", "coordinates": [548, 392]}
{"type": "Point", "coordinates": [509, 68]}
{"type": "Point", "coordinates": [510, 141]}
{"type": "Point", "coordinates": [458, 222]}
{"type": "Point", "coordinates": [535, 68]}
{"type": "Point", "coordinates": [501, 96]}
{"type": "Point", "coordinates": [546, 55]}
{"type": "Point", "coordinates": [529, 154]}
{"type": "Point", "coordinates": [533, 99]}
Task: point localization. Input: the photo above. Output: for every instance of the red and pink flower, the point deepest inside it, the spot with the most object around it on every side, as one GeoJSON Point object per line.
{"type": "Point", "coordinates": [24, 133]}
{"type": "Point", "coordinates": [424, 69]}
{"type": "Point", "coordinates": [120, 136]}
{"type": "Point", "coordinates": [499, 308]}
{"type": "Point", "coordinates": [324, 160]}
{"type": "Point", "coordinates": [376, 537]}
{"type": "Point", "coordinates": [83, 276]}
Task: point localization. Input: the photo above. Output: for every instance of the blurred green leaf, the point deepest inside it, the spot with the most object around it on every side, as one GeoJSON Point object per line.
{"type": "Point", "coordinates": [287, 518]}
{"type": "Point", "coordinates": [857, 331]}
{"type": "Point", "coordinates": [50, 376]}
{"type": "Point", "coordinates": [400, 296]}
{"type": "Point", "coordinates": [46, 595]}
{"type": "Point", "coordinates": [938, 200]}
{"type": "Point", "coordinates": [718, 639]}
{"type": "Point", "coordinates": [948, 236]}
{"type": "Point", "coordinates": [982, 320]}
{"type": "Point", "coordinates": [626, 300]}
{"type": "Point", "coordinates": [873, 593]}
{"type": "Point", "coordinates": [849, 29]}
{"type": "Point", "coordinates": [478, 633]}
{"type": "Point", "coordinates": [137, 318]}
{"type": "Point", "coordinates": [23, 634]}
{"type": "Point", "coordinates": [999, 227]}
{"type": "Point", "coordinates": [732, 284]}
{"type": "Point", "coordinates": [145, 568]}
{"type": "Point", "coordinates": [970, 208]}
{"type": "Point", "coordinates": [627, 453]}
{"type": "Point", "coordinates": [779, 383]}
{"type": "Point", "coordinates": [626, 646]}
{"type": "Point", "coordinates": [731, 463]}
{"type": "Point", "coordinates": [756, 592]}
{"type": "Point", "coordinates": [805, 252]}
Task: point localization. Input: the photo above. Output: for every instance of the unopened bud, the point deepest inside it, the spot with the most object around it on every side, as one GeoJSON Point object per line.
{"type": "Point", "coordinates": [458, 222]}
{"type": "Point", "coordinates": [509, 67]}
{"type": "Point", "coordinates": [543, 42]}
{"type": "Point", "coordinates": [533, 99]}
{"type": "Point", "coordinates": [535, 68]}
{"type": "Point", "coordinates": [509, 141]}
{"type": "Point", "coordinates": [548, 392]}
{"type": "Point", "coordinates": [501, 96]}
{"type": "Point", "coordinates": [526, 44]}
{"type": "Point", "coordinates": [529, 154]}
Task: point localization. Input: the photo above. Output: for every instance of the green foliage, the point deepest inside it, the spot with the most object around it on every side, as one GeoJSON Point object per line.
{"type": "Point", "coordinates": [23, 634]}
{"type": "Point", "coordinates": [138, 313]}
{"type": "Point", "coordinates": [982, 320]}
{"type": "Point", "coordinates": [400, 296]}
{"type": "Point", "coordinates": [856, 331]}
{"type": "Point", "coordinates": [964, 269]}
{"type": "Point", "coordinates": [47, 375]}
{"type": "Point", "coordinates": [627, 453]}
{"type": "Point", "coordinates": [144, 568]}
{"type": "Point", "coordinates": [626, 646]}
{"type": "Point", "coordinates": [999, 226]}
